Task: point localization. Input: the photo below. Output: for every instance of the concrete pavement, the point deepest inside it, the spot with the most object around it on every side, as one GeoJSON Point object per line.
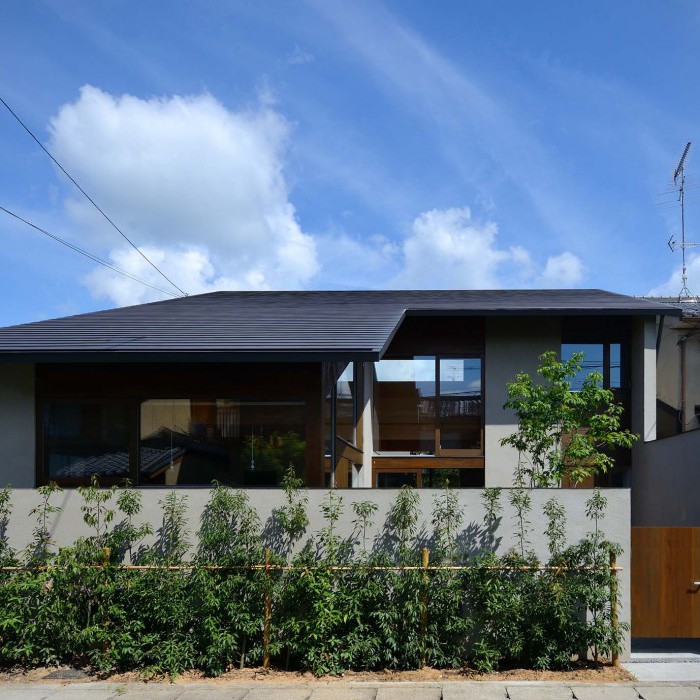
{"type": "Point", "coordinates": [672, 666]}
{"type": "Point", "coordinates": [474, 690]}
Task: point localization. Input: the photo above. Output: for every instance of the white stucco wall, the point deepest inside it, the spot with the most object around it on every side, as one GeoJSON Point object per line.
{"type": "Point", "coordinates": [17, 425]}
{"type": "Point", "coordinates": [512, 345]}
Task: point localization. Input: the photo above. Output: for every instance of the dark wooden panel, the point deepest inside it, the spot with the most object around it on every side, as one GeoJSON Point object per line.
{"type": "Point", "coordinates": [178, 380]}
{"type": "Point", "coordinates": [665, 563]}
{"type": "Point", "coordinates": [408, 463]}
{"type": "Point", "coordinates": [424, 335]}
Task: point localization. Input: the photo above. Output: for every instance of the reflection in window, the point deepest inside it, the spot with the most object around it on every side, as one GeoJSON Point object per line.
{"type": "Point", "coordinates": [184, 441]}
{"type": "Point", "coordinates": [430, 478]}
{"type": "Point", "coordinates": [346, 405]}
{"type": "Point", "coordinates": [395, 480]}
{"type": "Point", "coordinates": [82, 439]}
{"type": "Point", "coordinates": [615, 366]}
{"type": "Point", "coordinates": [405, 399]}
{"type": "Point", "coordinates": [597, 357]}
{"type": "Point", "coordinates": [460, 404]}
{"type": "Point", "coordinates": [428, 405]}
{"type": "Point", "coordinates": [340, 411]}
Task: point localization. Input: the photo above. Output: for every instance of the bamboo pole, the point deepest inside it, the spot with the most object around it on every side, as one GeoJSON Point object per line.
{"type": "Point", "coordinates": [613, 604]}
{"type": "Point", "coordinates": [105, 616]}
{"type": "Point", "coordinates": [268, 611]}
{"type": "Point", "coordinates": [424, 605]}
{"type": "Point", "coordinates": [280, 567]}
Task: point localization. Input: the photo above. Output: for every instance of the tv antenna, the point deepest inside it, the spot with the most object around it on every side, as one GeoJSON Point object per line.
{"type": "Point", "coordinates": [679, 182]}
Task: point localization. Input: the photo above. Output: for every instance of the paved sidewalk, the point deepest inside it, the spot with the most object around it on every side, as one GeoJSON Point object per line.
{"type": "Point", "coordinates": [355, 691]}
{"type": "Point", "coordinates": [668, 666]}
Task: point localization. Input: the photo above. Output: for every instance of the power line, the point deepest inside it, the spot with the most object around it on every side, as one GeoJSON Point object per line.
{"type": "Point", "coordinates": [91, 200]}
{"type": "Point", "coordinates": [86, 253]}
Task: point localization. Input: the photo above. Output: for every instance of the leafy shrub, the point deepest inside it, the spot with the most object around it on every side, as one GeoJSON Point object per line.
{"type": "Point", "coordinates": [340, 605]}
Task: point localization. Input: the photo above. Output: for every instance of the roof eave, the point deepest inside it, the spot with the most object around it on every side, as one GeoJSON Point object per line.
{"type": "Point", "coordinates": [287, 356]}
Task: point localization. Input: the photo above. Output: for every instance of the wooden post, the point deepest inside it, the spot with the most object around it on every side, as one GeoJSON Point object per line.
{"type": "Point", "coordinates": [105, 618]}
{"type": "Point", "coordinates": [268, 611]}
{"type": "Point", "coordinates": [613, 604]}
{"type": "Point", "coordinates": [424, 605]}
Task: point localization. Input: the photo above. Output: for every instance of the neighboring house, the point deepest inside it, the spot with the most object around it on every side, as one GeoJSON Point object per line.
{"type": "Point", "coordinates": [678, 369]}
{"type": "Point", "coordinates": [666, 491]}
{"type": "Point", "coordinates": [665, 487]}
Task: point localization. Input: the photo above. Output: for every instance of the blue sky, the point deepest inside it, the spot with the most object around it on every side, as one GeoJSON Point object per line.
{"type": "Point", "coordinates": [336, 145]}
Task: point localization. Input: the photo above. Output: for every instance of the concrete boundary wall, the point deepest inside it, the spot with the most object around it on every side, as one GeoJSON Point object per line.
{"type": "Point", "coordinates": [68, 525]}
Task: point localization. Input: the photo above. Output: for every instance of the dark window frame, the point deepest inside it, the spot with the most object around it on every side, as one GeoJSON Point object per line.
{"type": "Point", "coordinates": [42, 469]}
{"type": "Point", "coordinates": [133, 405]}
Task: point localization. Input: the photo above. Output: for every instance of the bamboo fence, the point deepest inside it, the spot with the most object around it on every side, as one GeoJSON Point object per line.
{"type": "Point", "coordinates": [425, 567]}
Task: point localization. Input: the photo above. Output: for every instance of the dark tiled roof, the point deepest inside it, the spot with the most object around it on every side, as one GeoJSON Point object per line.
{"type": "Point", "coordinates": [301, 325]}
{"type": "Point", "coordinates": [688, 307]}
{"type": "Point", "coordinates": [116, 464]}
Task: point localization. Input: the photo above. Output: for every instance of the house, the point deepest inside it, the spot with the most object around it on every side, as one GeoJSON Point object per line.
{"type": "Point", "coordinates": [355, 389]}
{"type": "Point", "coordinates": [665, 492]}
{"type": "Point", "coordinates": [358, 390]}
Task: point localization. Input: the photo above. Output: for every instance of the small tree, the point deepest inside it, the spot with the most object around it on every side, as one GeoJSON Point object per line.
{"type": "Point", "coordinates": [563, 432]}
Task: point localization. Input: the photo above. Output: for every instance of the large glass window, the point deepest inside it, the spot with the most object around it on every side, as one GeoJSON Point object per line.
{"type": "Point", "coordinates": [428, 405]}
{"type": "Point", "coordinates": [185, 441]}
{"type": "Point", "coordinates": [340, 415]}
{"type": "Point", "coordinates": [460, 404]}
{"type": "Point", "coordinates": [405, 394]}
{"type": "Point", "coordinates": [346, 405]}
{"type": "Point", "coordinates": [85, 438]}
{"type": "Point", "coordinates": [605, 358]}
{"type": "Point", "coordinates": [173, 441]}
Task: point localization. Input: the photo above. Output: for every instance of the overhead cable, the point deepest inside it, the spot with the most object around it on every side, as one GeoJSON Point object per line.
{"type": "Point", "coordinates": [86, 253]}
{"type": "Point", "coordinates": [91, 200]}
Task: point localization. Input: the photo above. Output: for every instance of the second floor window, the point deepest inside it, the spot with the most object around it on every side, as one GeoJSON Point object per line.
{"type": "Point", "coordinates": [429, 405]}
{"type": "Point", "coordinates": [605, 358]}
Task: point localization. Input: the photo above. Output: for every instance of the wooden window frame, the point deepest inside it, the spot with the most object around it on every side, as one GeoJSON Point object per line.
{"type": "Point", "coordinates": [439, 452]}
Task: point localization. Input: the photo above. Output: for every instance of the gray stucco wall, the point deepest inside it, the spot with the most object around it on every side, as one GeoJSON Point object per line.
{"type": "Point", "coordinates": [512, 345]}
{"type": "Point", "coordinates": [17, 442]}
{"type": "Point", "coordinates": [665, 483]}
{"type": "Point", "coordinates": [643, 378]}
{"type": "Point", "coordinates": [68, 524]}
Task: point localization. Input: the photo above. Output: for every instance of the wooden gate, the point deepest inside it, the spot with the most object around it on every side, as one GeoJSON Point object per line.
{"type": "Point", "coordinates": [665, 570]}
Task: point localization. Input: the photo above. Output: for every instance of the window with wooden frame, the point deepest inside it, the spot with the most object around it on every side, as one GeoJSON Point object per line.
{"type": "Point", "coordinates": [429, 406]}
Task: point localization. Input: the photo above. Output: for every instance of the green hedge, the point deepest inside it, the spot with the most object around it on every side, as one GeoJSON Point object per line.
{"type": "Point", "coordinates": [330, 611]}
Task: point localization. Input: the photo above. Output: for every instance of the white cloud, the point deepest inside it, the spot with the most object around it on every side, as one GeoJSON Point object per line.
{"type": "Point", "coordinates": [565, 270]}
{"type": "Point", "coordinates": [199, 187]}
{"type": "Point", "coordinates": [350, 262]}
{"type": "Point", "coordinates": [672, 286]}
{"type": "Point", "coordinates": [201, 190]}
{"type": "Point", "coordinates": [447, 249]}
